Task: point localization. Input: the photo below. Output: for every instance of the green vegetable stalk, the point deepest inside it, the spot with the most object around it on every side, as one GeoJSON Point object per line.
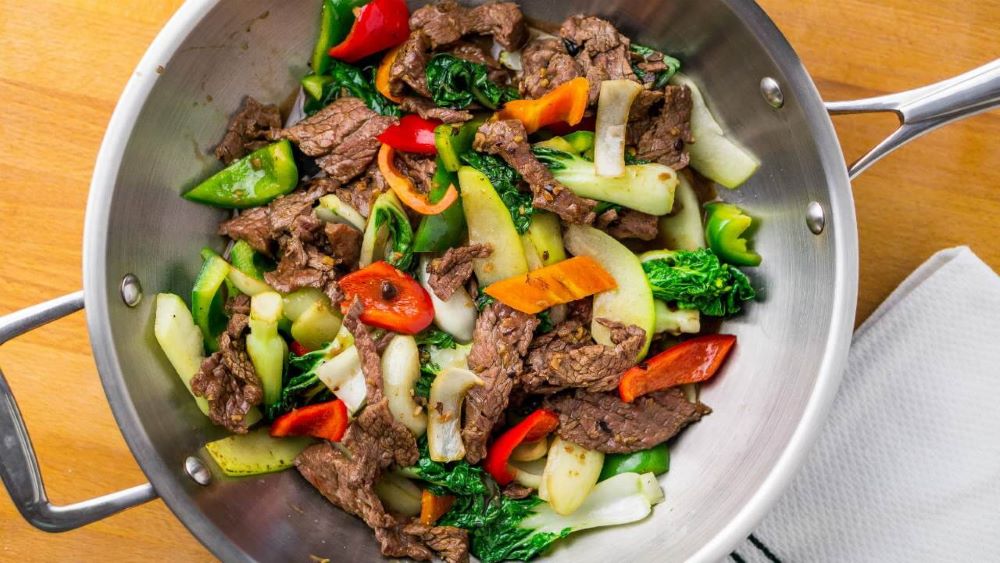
{"type": "Point", "coordinates": [305, 387]}
{"type": "Point", "coordinates": [388, 234]}
{"type": "Point", "coordinates": [457, 83]}
{"type": "Point", "coordinates": [697, 280]}
{"type": "Point", "coordinates": [266, 348]}
{"type": "Point", "coordinates": [253, 180]}
{"type": "Point", "coordinates": [207, 301]}
{"type": "Point", "coordinates": [725, 226]}
{"type": "Point", "coordinates": [504, 180]}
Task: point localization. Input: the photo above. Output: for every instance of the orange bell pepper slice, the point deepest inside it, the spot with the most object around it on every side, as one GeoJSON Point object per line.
{"type": "Point", "coordinates": [691, 361]}
{"type": "Point", "coordinates": [563, 104]}
{"type": "Point", "coordinates": [433, 507]}
{"type": "Point", "coordinates": [407, 192]}
{"type": "Point", "coordinates": [382, 75]}
{"type": "Point", "coordinates": [562, 282]}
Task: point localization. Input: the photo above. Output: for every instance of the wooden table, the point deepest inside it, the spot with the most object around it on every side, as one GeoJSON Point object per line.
{"type": "Point", "coordinates": [63, 64]}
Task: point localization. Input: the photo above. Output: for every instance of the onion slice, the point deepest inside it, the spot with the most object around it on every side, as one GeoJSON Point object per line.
{"type": "Point", "coordinates": [444, 424]}
{"type": "Point", "coordinates": [612, 119]}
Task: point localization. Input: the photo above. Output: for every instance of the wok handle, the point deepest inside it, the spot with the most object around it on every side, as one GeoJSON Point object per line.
{"type": "Point", "coordinates": [927, 108]}
{"type": "Point", "coordinates": [18, 464]}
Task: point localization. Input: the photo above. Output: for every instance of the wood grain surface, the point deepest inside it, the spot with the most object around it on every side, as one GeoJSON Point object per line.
{"type": "Point", "coordinates": [63, 64]}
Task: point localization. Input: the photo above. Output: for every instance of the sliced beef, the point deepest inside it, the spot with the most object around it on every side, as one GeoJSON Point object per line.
{"type": "Point", "coordinates": [306, 258]}
{"type": "Point", "coordinates": [345, 243]}
{"type": "Point", "coordinates": [601, 52]}
{"type": "Point", "coordinates": [603, 422]}
{"type": "Point", "coordinates": [260, 227]}
{"type": "Point", "coordinates": [503, 20]}
{"type": "Point", "coordinates": [392, 438]}
{"type": "Point", "coordinates": [450, 543]}
{"type": "Point", "coordinates": [341, 136]}
{"type": "Point", "coordinates": [227, 379]}
{"type": "Point", "coordinates": [426, 109]}
{"type": "Point", "coordinates": [508, 139]}
{"type": "Point", "coordinates": [568, 357]}
{"type": "Point", "coordinates": [499, 344]}
{"type": "Point", "coordinates": [410, 66]}
{"type": "Point", "coordinates": [247, 130]}
{"type": "Point", "coordinates": [664, 139]}
{"type": "Point", "coordinates": [453, 269]}
{"type": "Point", "coordinates": [419, 168]}
{"type": "Point", "coordinates": [361, 193]}
{"type": "Point", "coordinates": [516, 491]}
{"type": "Point", "coordinates": [628, 223]}
{"type": "Point", "coordinates": [546, 64]}
{"type": "Point", "coordinates": [446, 22]}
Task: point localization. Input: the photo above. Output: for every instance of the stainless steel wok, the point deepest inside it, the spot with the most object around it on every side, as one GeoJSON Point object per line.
{"type": "Point", "coordinates": [769, 403]}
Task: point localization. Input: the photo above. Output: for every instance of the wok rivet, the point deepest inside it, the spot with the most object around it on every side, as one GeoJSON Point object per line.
{"type": "Point", "coordinates": [771, 91]}
{"type": "Point", "coordinates": [815, 218]}
{"type": "Point", "coordinates": [131, 290]}
{"type": "Point", "coordinates": [196, 470]}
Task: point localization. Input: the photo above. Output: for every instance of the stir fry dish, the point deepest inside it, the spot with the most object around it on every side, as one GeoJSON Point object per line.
{"type": "Point", "coordinates": [473, 278]}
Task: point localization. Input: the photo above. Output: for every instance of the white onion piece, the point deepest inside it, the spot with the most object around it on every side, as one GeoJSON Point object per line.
{"type": "Point", "coordinates": [457, 315]}
{"type": "Point", "coordinates": [530, 451]}
{"type": "Point", "coordinates": [444, 409]}
{"type": "Point", "coordinates": [343, 376]}
{"type": "Point", "coordinates": [400, 371]}
{"type": "Point", "coordinates": [612, 118]}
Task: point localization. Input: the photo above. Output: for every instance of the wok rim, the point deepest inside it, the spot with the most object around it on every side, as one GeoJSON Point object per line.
{"type": "Point", "coordinates": [167, 481]}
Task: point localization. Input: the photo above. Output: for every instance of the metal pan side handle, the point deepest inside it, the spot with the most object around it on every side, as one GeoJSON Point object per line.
{"type": "Point", "coordinates": [18, 464]}
{"type": "Point", "coordinates": [925, 109]}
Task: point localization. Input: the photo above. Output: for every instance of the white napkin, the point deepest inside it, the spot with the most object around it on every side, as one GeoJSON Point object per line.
{"type": "Point", "coordinates": [908, 465]}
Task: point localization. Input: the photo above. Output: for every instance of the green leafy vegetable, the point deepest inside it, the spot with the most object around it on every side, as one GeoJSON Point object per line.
{"type": "Point", "coordinates": [428, 371]}
{"type": "Point", "coordinates": [483, 301]}
{"type": "Point", "coordinates": [456, 83]}
{"type": "Point", "coordinates": [698, 280]}
{"type": "Point", "coordinates": [436, 337]}
{"type": "Point", "coordinates": [649, 55]}
{"type": "Point", "coordinates": [505, 181]}
{"type": "Point", "coordinates": [400, 234]}
{"type": "Point", "coordinates": [304, 387]}
{"type": "Point", "coordinates": [427, 340]}
{"type": "Point", "coordinates": [545, 323]}
{"type": "Point", "coordinates": [348, 80]}
{"type": "Point", "coordinates": [603, 206]}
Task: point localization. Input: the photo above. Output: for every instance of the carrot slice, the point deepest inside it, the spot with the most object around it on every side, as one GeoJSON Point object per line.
{"type": "Point", "coordinates": [691, 361]}
{"type": "Point", "coordinates": [433, 507]}
{"type": "Point", "coordinates": [562, 282]}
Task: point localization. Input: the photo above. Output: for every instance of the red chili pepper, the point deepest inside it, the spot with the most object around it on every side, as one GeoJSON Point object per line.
{"type": "Point", "coordinates": [378, 25]}
{"type": "Point", "coordinates": [392, 300]}
{"type": "Point", "coordinates": [297, 348]}
{"type": "Point", "coordinates": [323, 420]}
{"type": "Point", "coordinates": [412, 134]}
{"type": "Point", "coordinates": [691, 361]}
{"type": "Point", "coordinates": [535, 427]}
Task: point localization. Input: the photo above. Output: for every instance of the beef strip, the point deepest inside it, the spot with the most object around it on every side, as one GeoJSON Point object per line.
{"type": "Point", "coordinates": [628, 223]}
{"type": "Point", "coordinates": [601, 52]}
{"type": "Point", "coordinates": [345, 243]}
{"type": "Point", "coordinates": [508, 139]}
{"type": "Point", "coordinates": [410, 66]}
{"type": "Point", "coordinates": [444, 23]}
{"type": "Point", "coordinates": [499, 344]}
{"type": "Point", "coordinates": [664, 138]}
{"type": "Point", "coordinates": [419, 168]}
{"type": "Point", "coordinates": [603, 422]}
{"type": "Point", "coordinates": [227, 379]}
{"type": "Point", "coordinates": [515, 491]}
{"type": "Point", "coordinates": [341, 136]}
{"type": "Point", "coordinates": [361, 193]}
{"type": "Point", "coordinates": [568, 357]}
{"type": "Point", "coordinates": [450, 543]}
{"type": "Point", "coordinates": [247, 130]}
{"type": "Point", "coordinates": [454, 268]}
{"type": "Point", "coordinates": [426, 109]}
{"type": "Point", "coordinates": [546, 64]}
{"type": "Point", "coordinates": [260, 227]}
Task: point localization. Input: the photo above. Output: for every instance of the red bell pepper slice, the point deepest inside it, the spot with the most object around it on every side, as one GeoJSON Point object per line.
{"type": "Point", "coordinates": [392, 300]}
{"type": "Point", "coordinates": [412, 134]}
{"type": "Point", "coordinates": [378, 25]}
{"type": "Point", "coordinates": [297, 348]}
{"type": "Point", "coordinates": [691, 361]}
{"type": "Point", "coordinates": [536, 426]}
{"type": "Point", "coordinates": [327, 420]}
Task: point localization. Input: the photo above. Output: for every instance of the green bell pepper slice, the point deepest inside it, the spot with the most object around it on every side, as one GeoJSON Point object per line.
{"type": "Point", "coordinates": [253, 180]}
{"type": "Point", "coordinates": [454, 140]}
{"type": "Point", "coordinates": [249, 261]}
{"type": "Point", "coordinates": [725, 226]}
{"type": "Point", "coordinates": [440, 232]}
{"type": "Point", "coordinates": [207, 301]}
{"type": "Point", "coordinates": [655, 460]}
{"type": "Point", "coordinates": [336, 19]}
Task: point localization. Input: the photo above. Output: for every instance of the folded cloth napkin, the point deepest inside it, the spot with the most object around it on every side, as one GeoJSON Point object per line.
{"type": "Point", "coordinates": [908, 466]}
